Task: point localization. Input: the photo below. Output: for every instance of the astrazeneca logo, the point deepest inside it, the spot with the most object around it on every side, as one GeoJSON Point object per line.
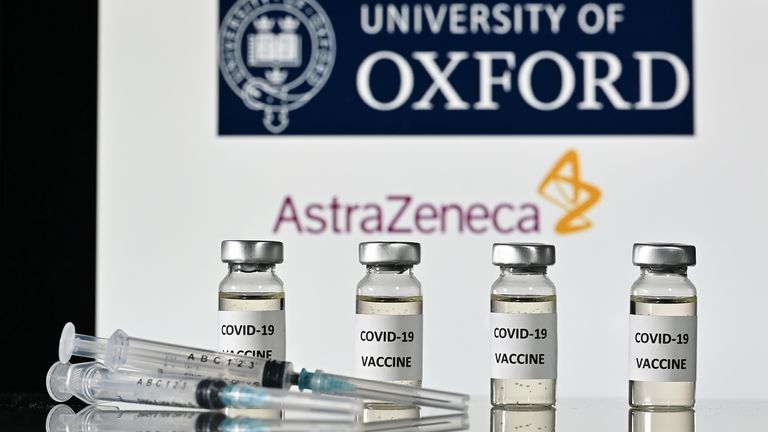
{"type": "Point", "coordinates": [564, 187]}
{"type": "Point", "coordinates": [404, 213]}
{"type": "Point", "coordinates": [276, 55]}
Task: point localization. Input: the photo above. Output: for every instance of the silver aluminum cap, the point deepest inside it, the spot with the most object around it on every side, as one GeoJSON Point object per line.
{"type": "Point", "coordinates": [251, 252]}
{"type": "Point", "coordinates": [523, 254]}
{"type": "Point", "coordinates": [663, 254]}
{"type": "Point", "coordinates": [393, 253]}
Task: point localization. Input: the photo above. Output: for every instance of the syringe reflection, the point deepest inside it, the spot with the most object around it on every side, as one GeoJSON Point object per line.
{"type": "Point", "coordinates": [94, 418]}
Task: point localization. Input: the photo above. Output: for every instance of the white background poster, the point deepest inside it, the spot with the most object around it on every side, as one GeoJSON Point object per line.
{"type": "Point", "coordinates": [170, 189]}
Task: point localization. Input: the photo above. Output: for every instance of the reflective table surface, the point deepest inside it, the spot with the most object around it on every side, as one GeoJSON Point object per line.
{"type": "Point", "coordinates": [590, 415]}
{"type": "Point", "coordinates": [35, 412]}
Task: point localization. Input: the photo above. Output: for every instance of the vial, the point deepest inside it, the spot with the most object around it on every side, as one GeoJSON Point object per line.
{"type": "Point", "coordinates": [662, 327]}
{"type": "Point", "coordinates": [251, 300]}
{"type": "Point", "coordinates": [523, 326]}
{"type": "Point", "coordinates": [388, 336]}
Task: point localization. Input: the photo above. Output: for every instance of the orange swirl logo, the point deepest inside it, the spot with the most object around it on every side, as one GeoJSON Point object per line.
{"type": "Point", "coordinates": [563, 187]}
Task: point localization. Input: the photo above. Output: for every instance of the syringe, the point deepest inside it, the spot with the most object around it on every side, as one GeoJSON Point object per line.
{"type": "Point", "coordinates": [93, 383]}
{"type": "Point", "coordinates": [121, 352]}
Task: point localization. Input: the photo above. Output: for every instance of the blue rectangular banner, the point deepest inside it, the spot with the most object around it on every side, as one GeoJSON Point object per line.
{"type": "Point", "coordinates": [474, 68]}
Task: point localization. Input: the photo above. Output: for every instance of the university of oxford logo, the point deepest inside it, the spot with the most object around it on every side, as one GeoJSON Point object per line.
{"type": "Point", "coordinates": [276, 55]}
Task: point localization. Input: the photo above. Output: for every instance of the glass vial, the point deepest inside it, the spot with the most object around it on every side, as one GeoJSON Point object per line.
{"type": "Point", "coordinates": [388, 334]}
{"type": "Point", "coordinates": [251, 300]}
{"type": "Point", "coordinates": [523, 329]}
{"type": "Point", "coordinates": [662, 327]}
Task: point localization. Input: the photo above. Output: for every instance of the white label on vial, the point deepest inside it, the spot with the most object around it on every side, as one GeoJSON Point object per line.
{"type": "Point", "coordinates": [523, 345]}
{"type": "Point", "coordinates": [388, 347]}
{"type": "Point", "coordinates": [258, 334]}
{"type": "Point", "coordinates": [662, 348]}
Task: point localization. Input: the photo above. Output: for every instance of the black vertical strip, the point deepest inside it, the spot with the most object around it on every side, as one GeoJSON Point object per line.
{"type": "Point", "coordinates": [47, 181]}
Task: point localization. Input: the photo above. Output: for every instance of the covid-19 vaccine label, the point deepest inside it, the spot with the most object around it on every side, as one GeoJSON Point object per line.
{"type": "Point", "coordinates": [662, 348]}
{"type": "Point", "coordinates": [388, 347]}
{"type": "Point", "coordinates": [523, 345]}
{"type": "Point", "coordinates": [253, 333]}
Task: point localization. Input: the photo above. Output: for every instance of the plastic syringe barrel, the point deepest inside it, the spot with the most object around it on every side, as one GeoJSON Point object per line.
{"type": "Point", "coordinates": [93, 383]}
{"type": "Point", "coordinates": [321, 382]}
{"type": "Point", "coordinates": [121, 352]}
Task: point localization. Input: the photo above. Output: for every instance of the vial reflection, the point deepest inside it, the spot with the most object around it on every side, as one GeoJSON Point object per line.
{"type": "Point", "coordinates": [642, 420]}
{"type": "Point", "coordinates": [523, 419]}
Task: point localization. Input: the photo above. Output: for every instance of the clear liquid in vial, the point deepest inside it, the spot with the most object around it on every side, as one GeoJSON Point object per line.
{"type": "Point", "coordinates": [230, 301]}
{"type": "Point", "coordinates": [662, 394]}
{"type": "Point", "coordinates": [523, 391]}
{"type": "Point", "coordinates": [374, 305]}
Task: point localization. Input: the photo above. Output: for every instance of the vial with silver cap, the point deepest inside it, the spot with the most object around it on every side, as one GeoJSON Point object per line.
{"type": "Point", "coordinates": [389, 314]}
{"type": "Point", "coordinates": [523, 329]}
{"type": "Point", "coordinates": [662, 327]}
{"type": "Point", "coordinates": [251, 300]}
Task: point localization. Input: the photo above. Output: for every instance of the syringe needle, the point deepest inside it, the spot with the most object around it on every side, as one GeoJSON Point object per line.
{"type": "Point", "coordinates": [321, 382]}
